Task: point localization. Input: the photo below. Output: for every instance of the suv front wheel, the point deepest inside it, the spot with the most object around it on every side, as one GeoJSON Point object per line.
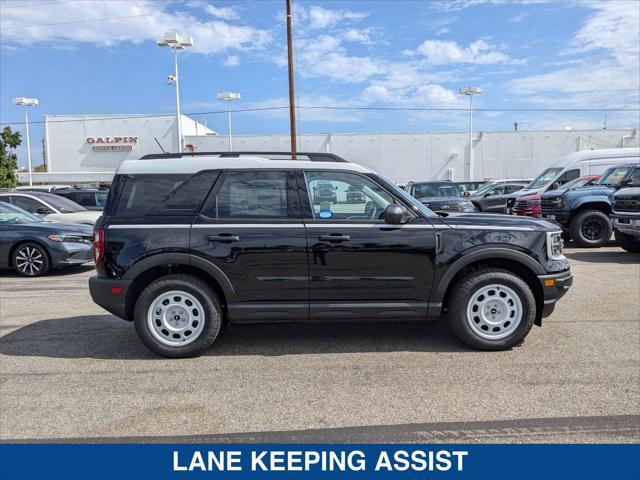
{"type": "Point", "coordinates": [178, 316]}
{"type": "Point", "coordinates": [491, 309]}
{"type": "Point", "coordinates": [590, 228]}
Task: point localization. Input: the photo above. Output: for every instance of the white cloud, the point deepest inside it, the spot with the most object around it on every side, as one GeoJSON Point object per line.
{"type": "Point", "coordinates": [111, 22]}
{"type": "Point", "coordinates": [359, 36]}
{"type": "Point", "coordinates": [224, 13]}
{"type": "Point", "coordinates": [442, 31]}
{"type": "Point", "coordinates": [439, 52]}
{"type": "Point", "coordinates": [604, 67]}
{"type": "Point", "coordinates": [231, 61]}
{"type": "Point", "coordinates": [320, 18]}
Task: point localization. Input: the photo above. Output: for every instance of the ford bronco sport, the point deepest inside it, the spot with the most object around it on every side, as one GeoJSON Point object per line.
{"type": "Point", "coordinates": [189, 241]}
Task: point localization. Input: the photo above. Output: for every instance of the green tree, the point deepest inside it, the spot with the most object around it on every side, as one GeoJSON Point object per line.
{"type": "Point", "coordinates": [8, 158]}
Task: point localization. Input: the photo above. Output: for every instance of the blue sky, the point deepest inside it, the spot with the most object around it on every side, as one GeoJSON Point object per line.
{"type": "Point", "coordinates": [91, 56]}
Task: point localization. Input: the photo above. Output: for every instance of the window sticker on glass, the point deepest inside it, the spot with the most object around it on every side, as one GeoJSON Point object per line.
{"type": "Point", "coordinates": [325, 214]}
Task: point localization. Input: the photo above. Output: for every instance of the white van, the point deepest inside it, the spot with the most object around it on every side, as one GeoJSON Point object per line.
{"type": "Point", "coordinates": [574, 165]}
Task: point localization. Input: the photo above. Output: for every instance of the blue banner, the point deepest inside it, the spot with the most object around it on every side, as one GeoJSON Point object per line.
{"type": "Point", "coordinates": [310, 461]}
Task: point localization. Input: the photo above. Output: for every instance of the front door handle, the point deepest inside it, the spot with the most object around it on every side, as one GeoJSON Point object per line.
{"type": "Point", "coordinates": [224, 238]}
{"type": "Point", "coordinates": [335, 237]}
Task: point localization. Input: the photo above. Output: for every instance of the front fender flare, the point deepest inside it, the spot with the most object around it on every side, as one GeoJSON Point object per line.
{"type": "Point", "coordinates": [467, 259]}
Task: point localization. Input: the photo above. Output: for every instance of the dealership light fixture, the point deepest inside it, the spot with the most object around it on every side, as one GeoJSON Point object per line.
{"type": "Point", "coordinates": [176, 42]}
{"type": "Point", "coordinates": [229, 97]}
{"type": "Point", "coordinates": [27, 102]}
{"type": "Point", "coordinates": [470, 92]}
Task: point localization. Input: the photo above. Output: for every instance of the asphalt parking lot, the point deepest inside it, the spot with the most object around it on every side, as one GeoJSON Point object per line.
{"type": "Point", "coordinates": [70, 371]}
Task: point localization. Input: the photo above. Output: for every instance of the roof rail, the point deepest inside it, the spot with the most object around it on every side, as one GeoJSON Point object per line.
{"type": "Point", "coordinates": [311, 156]}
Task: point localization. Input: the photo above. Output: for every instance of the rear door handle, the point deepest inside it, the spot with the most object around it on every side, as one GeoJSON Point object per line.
{"type": "Point", "coordinates": [224, 238]}
{"type": "Point", "coordinates": [335, 237]}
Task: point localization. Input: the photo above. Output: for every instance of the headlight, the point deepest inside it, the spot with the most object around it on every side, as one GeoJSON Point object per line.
{"type": "Point", "coordinates": [468, 206]}
{"type": "Point", "coordinates": [68, 239]}
{"type": "Point", "coordinates": [554, 246]}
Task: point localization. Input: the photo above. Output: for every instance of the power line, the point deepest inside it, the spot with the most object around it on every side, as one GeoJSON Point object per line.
{"type": "Point", "coordinates": [311, 107]}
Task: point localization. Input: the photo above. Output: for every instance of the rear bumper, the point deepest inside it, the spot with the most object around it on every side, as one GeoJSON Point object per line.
{"type": "Point", "coordinates": [110, 294]}
{"type": "Point", "coordinates": [554, 286]}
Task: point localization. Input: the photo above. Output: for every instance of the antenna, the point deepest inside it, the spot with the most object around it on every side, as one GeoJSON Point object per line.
{"type": "Point", "coordinates": [156, 139]}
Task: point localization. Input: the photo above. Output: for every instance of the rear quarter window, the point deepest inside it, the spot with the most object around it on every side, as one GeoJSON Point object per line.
{"type": "Point", "coordinates": [174, 194]}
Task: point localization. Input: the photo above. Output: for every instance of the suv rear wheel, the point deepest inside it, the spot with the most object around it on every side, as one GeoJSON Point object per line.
{"type": "Point", "coordinates": [590, 229]}
{"type": "Point", "coordinates": [178, 316]}
{"type": "Point", "coordinates": [491, 309]}
{"type": "Point", "coordinates": [628, 242]}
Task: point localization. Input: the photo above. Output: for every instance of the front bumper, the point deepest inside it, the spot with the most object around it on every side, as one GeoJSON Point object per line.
{"type": "Point", "coordinates": [554, 286]}
{"type": "Point", "coordinates": [67, 254]}
{"type": "Point", "coordinates": [559, 217]}
{"type": "Point", "coordinates": [629, 224]}
{"type": "Point", "coordinates": [110, 294]}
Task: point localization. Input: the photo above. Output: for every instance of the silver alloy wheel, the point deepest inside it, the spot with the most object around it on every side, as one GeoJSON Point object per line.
{"type": "Point", "coordinates": [176, 318]}
{"type": "Point", "coordinates": [29, 260]}
{"type": "Point", "coordinates": [494, 312]}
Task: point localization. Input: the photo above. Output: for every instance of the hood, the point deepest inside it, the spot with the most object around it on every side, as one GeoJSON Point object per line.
{"type": "Point", "coordinates": [86, 218]}
{"type": "Point", "coordinates": [496, 221]}
{"type": "Point", "coordinates": [576, 192]}
{"type": "Point", "coordinates": [628, 192]}
{"type": "Point", "coordinates": [63, 228]}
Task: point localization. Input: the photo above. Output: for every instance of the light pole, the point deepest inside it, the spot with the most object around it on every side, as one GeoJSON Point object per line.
{"type": "Point", "coordinates": [470, 92]}
{"type": "Point", "coordinates": [176, 42]}
{"type": "Point", "coordinates": [27, 102]}
{"type": "Point", "coordinates": [229, 97]}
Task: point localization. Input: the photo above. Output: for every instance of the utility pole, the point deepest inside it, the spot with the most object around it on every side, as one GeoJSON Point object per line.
{"type": "Point", "coordinates": [292, 102]}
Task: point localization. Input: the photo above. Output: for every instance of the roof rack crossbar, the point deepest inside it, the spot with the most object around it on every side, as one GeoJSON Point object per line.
{"type": "Point", "coordinates": [311, 156]}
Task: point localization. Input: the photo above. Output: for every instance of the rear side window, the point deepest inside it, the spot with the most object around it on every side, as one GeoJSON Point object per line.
{"type": "Point", "coordinates": [164, 194]}
{"type": "Point", "coordinates": [86, 199]}
{"type": "Point", "coordinates": [249, 195]}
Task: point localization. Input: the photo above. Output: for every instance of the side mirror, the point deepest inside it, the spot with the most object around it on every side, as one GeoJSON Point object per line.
{"type": "Point", "coordinates": [465, 193]}
{"type": "Point", "coordinates": [488, 194]}
{"type": "Point", "coordinates": [627, 182]}
{"type": "Point", "coordinates": [43, 211]}
{"type": "Point", "coordinates": [395, 215]}
{"type": "Point", "coordinates": [555, 186]}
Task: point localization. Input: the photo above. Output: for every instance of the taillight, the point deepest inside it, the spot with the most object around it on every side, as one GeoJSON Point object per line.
{"type": "Point", "coordinates": [98, 245]}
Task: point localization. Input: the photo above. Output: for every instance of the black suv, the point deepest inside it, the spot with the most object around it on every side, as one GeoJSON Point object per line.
{"type": "Point", "coordinates": [440, 196]}
{"type": "Point", "coordinates": [184, 246]}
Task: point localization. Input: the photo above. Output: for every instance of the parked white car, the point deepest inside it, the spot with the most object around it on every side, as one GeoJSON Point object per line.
{"type": "Point", "coordinates": [50, 207]}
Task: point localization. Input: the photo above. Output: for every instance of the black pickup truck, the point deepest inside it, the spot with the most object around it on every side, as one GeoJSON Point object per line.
{"type": "Point", "coordinates": [184, 246]}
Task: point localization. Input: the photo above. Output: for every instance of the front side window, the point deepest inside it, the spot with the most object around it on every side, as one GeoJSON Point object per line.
{"type": "Point", "coordinates": [345, 196]}
{"type": "Point", "coordinates": [85, 199]}
{"type": "Point", "coordinates": [249, 195]}
{"type": "Point", "coordinates": [63, 205]}
{"type": "Point", "coordinates": [499, 190]}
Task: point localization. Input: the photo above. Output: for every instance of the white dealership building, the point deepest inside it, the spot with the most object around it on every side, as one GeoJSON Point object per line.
{"type": "Point", "coordinates": [88, 148]}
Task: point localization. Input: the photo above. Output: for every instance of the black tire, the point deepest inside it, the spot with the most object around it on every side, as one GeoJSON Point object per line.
{"type": "Point", "coordinates": [590, 228]}
{"type": "Point", "coordinates": [628, 242]}
{"type": "Point", "coordinates": [40, 263]}
{"type": "Point", "coordinates": [566, 236]}
{"type": "Point", "coordinates": [197, 288]}
{"type": "Point", "coordinates": [463, 293]}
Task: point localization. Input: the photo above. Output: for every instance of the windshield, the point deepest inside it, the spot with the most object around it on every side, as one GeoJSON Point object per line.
{"type": "Point", "coordinates": [10, 214]}
{"type": "Point", "coordinates": [64, 205]}
{"type": "Point", "coordinates": [613, 176]}
{"type": "Point", "coordinates": [485, 188]}
{"type": "Point", "coordinates": [443, 189]}
{"type": "Point", "coordinates": [545, 177]}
